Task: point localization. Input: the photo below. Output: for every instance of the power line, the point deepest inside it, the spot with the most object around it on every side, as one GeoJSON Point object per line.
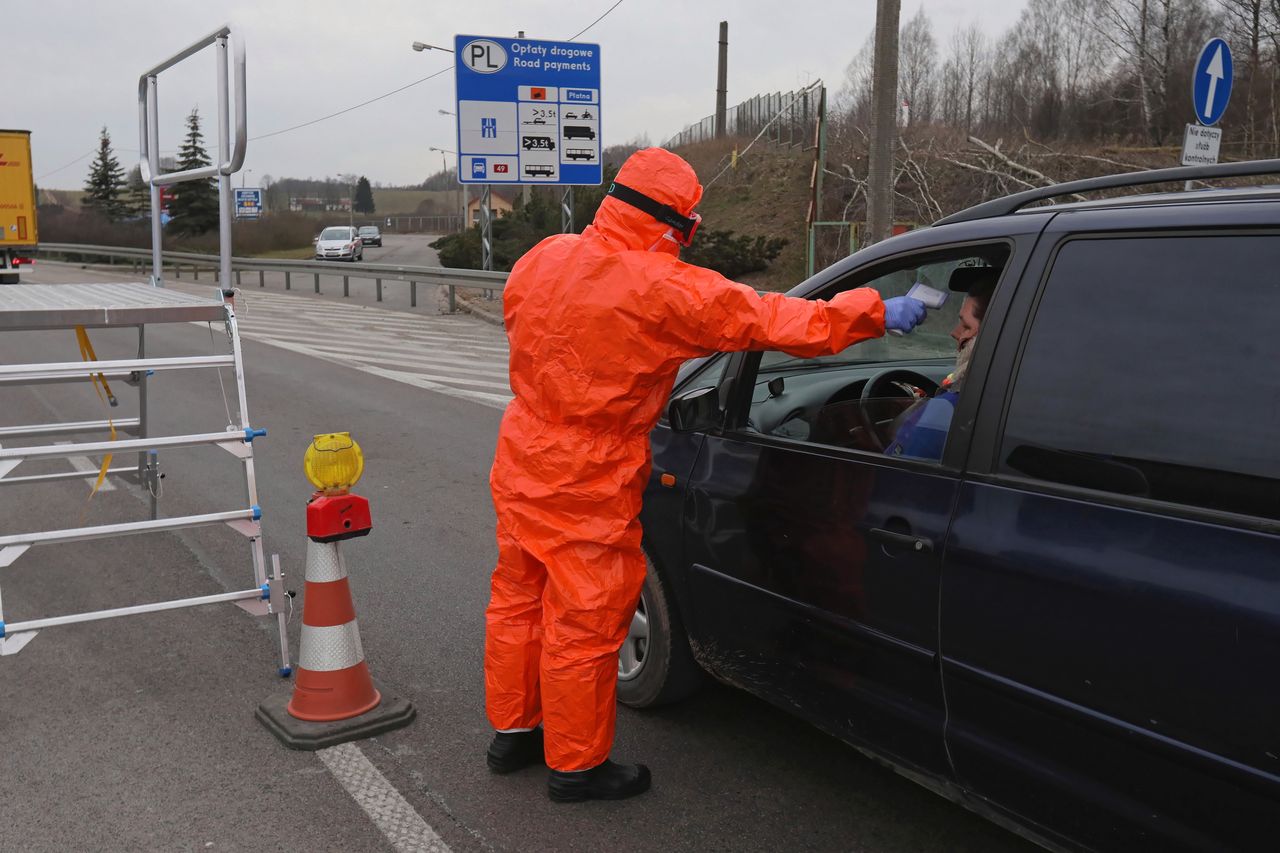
{"type": "Point", "coordinates": [88, 153]}
{"type": "Point", "coordinates": [596, 21]}
{"type": "Point", "coordinates": [349, 109]}
{"type": "Point", "coordinates": [68, 166]}
{"type": "Point", "coordinates": [406, 86]}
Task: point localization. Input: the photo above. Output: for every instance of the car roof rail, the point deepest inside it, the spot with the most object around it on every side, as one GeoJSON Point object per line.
{"type": "Point", "coordinates": [1012, 203]}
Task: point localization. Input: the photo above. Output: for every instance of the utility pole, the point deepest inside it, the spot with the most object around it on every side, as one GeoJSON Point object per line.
{"type": "Point", "coordinates": [884, 122]}
{"type": "Point", "coordinates": [722, 80]}
{"type": "Point", "coordinates": [524, 190]}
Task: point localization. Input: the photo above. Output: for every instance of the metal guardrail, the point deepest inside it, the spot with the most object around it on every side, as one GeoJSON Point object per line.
{"type": "Point", "coordinates": [196, 261]}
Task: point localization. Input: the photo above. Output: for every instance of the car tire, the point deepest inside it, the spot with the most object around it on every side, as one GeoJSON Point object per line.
{"type": "Point", "coordinates": [655, 664]}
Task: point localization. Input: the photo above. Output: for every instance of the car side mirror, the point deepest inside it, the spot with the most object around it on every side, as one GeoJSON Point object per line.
{"type": "Point", "coordinates": [696, 410]}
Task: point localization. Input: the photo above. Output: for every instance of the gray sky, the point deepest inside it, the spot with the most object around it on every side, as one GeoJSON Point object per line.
{"type": "Point", "coordinates": [80, 61]}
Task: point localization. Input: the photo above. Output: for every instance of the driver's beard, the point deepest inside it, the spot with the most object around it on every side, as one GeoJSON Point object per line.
{"type": "Point", "coordinates": [962, 364]}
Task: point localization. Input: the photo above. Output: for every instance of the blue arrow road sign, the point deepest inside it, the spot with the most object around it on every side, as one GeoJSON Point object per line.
{"type": "Point", "coordinates": [1211, 85]}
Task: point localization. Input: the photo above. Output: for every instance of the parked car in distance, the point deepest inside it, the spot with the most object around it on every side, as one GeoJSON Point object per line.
{"type": "Point", "coordinates": [1056, 599]}
{"type": "Point", "coordinates": [370, 235]}
{"type": "Point", "coordinates": [339, 243]}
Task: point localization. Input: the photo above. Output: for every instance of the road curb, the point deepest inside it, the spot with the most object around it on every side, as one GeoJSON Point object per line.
{"type": "Point", "coordinates": [493, 318]}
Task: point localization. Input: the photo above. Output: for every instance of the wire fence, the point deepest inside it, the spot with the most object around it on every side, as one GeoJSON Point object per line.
{"type": "Point", "coordinates": [795, 113]}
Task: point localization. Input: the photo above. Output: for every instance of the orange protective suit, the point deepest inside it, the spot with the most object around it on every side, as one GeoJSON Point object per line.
{"type": "Point", "coordinates": [598, 324]}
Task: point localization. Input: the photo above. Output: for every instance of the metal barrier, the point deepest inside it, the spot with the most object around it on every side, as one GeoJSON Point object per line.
{"type": "Point", "coordinates": [196, 261]}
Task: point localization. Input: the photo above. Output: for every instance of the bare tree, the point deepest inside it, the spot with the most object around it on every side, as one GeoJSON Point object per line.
{"type": "Point", "coordinates": [1250, 25]}
{"type": "Point", "coordinates": [972, 53]}
{"type": "Point", "coordinates": [854, 98]}
{"type": "Point", "coordinates": [916, 65]}
{"type": "Point", "coordinates": [1157, 41]}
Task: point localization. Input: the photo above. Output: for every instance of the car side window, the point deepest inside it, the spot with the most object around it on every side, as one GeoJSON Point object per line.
{"type": "Point", "coordinates": [895, 395]}
{"type": "Point", "coordinates": [1152, 369]}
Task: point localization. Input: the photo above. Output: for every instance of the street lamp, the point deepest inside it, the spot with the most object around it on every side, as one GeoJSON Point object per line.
{"type": "Point", "coordinates": [349, 180]}
{"type": "Point", "coordinates": [462, 209]}
{"type": "Point", "coordinates": [244, 176]}
{"type": "Point", "coordinates": [461, 190]}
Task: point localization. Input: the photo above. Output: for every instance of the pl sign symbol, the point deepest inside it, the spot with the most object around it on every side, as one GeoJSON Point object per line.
{"type": "Point", "coordinates": [1211, 84]}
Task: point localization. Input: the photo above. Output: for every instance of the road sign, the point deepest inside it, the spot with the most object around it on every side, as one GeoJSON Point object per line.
{"type": "Point", "coordinates": [1200, 145]}
{"type": "Point", "coordinates": [248, 202]}
{"type": "Point", "coordinates": [528, 111]}
{"type": "Point", "coordinates": [1211, 84]}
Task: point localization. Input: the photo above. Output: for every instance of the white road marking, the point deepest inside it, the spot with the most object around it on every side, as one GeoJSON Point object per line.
{"type": "Point", "coordinates": [497, 401]}
{"type": "Point", "coordinates": [449, 355]}
{"type": "Point", "coordinates": [399, 823]}
{"type": "Point", "coordinates": [85, 464]}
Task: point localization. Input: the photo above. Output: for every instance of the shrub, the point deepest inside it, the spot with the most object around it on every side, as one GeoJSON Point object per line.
{"type": "Point", "coordinates": [732, 256]}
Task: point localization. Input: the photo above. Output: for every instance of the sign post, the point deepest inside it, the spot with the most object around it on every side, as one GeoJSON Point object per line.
{"type": "Point", "coordinates": [1210, 92]}
{"type": "Point", "coordinates": [248, 202]}
{"type": "Point", "coordinates": [528, 113]}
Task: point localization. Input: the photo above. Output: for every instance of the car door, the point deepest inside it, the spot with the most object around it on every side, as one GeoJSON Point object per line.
{"type": "Point", "coordinates": [812, 556]}
{"type": "Point", "coordinates": [1111, 588]}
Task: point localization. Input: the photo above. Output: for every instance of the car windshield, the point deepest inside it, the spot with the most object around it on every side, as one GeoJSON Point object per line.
{"type": "Point", "coordinates": [335, 234]}
{"type": "Point", "coordinates": [368, 230]}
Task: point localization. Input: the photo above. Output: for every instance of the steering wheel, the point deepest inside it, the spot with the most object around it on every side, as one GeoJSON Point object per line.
{"type": "Point", "coordinates": [880, 383]}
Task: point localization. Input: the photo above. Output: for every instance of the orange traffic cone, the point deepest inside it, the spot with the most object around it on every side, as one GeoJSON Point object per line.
{"type": "Point", "coordinates": [333, 681]}
{"type": "Point", "coordinates": [334, 699]}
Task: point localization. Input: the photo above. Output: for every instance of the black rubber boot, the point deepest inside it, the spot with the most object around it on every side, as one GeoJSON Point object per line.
{"type": "Point", "coordinates": [512, 751]}
{"type": "Point", "coordinates": [607, 781]}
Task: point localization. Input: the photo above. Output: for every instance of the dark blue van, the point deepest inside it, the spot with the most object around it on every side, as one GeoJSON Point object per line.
{"type": "Point", "coordinates": [1065, 611]}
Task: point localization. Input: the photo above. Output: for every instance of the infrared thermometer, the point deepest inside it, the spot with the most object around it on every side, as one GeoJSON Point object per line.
{"type": "Point", "coordinates": [932, 298]}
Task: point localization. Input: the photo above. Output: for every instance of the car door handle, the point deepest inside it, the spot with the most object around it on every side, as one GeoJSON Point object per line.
{"type": "Point", "coordinates": [919, 544]}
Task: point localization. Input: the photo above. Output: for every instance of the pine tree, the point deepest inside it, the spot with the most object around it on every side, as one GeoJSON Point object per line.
{"type": "Point", "coordinates": [105, 186]}
{"type": "Point", "coordinates": [195, 203]}
{"type": "Point", "coordinates": [137, 201]}
{"type": "Point", "coordinates": [363, 201]}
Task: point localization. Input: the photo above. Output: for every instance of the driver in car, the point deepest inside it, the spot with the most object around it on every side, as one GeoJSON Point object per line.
{"type": "Point", "coordinates": [922, 429]}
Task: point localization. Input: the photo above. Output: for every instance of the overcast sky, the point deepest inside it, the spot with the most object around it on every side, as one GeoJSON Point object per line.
{"type": "Point", "coordinates": [77, 64]}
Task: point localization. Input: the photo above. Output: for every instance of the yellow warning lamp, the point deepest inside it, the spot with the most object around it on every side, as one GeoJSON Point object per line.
{"type": "Point", "coordinates": [333, 462]}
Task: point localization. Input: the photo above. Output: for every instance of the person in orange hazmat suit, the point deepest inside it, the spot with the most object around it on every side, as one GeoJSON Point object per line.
{"type": "Point", "coordinates": [598, 324]}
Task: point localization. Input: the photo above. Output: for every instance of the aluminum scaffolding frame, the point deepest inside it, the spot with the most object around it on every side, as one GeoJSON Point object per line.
{"type": "Point", "coordinates": [69, 307]}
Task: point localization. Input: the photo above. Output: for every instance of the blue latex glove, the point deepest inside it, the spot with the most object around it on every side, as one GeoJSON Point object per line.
{"type": "Point", "coordinates": [902, 314]}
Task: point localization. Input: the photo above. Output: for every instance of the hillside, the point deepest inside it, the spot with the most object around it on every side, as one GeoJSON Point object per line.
{"type": "Point", "coordinates": [767, 194]}
{"type": "Point", "coordinates": [938, 171]}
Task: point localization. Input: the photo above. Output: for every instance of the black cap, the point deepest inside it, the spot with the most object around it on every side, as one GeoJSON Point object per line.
{"type": "Point", "coordinates": [977, 280]}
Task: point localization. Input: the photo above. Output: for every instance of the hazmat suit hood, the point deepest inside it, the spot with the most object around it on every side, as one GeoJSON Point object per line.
{"type": "Point", "coordinates": [664, 177]}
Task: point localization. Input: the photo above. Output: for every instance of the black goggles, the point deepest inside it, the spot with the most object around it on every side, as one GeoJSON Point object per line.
{"type": "Point", "coordinates": [685, 226]}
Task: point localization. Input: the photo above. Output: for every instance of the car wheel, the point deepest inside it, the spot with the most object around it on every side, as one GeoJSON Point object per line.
{"type": "Point", "coordinates": [655, 665]}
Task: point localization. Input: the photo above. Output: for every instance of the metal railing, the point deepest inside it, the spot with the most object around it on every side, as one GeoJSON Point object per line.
{"type": "Point", "coordinates": [197, 262]}
{"type": "Point", "coordinates": [789, 116]}
{"type": "Point", "coordinates": [229, 160]}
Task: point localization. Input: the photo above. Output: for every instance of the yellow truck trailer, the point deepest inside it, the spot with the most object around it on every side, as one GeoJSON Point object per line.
{"type": "Point", "coordinates": [18, 236]}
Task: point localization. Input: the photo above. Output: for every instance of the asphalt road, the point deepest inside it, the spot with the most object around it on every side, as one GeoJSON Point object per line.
{"type": "Point", "coordinates": [138, 733]}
